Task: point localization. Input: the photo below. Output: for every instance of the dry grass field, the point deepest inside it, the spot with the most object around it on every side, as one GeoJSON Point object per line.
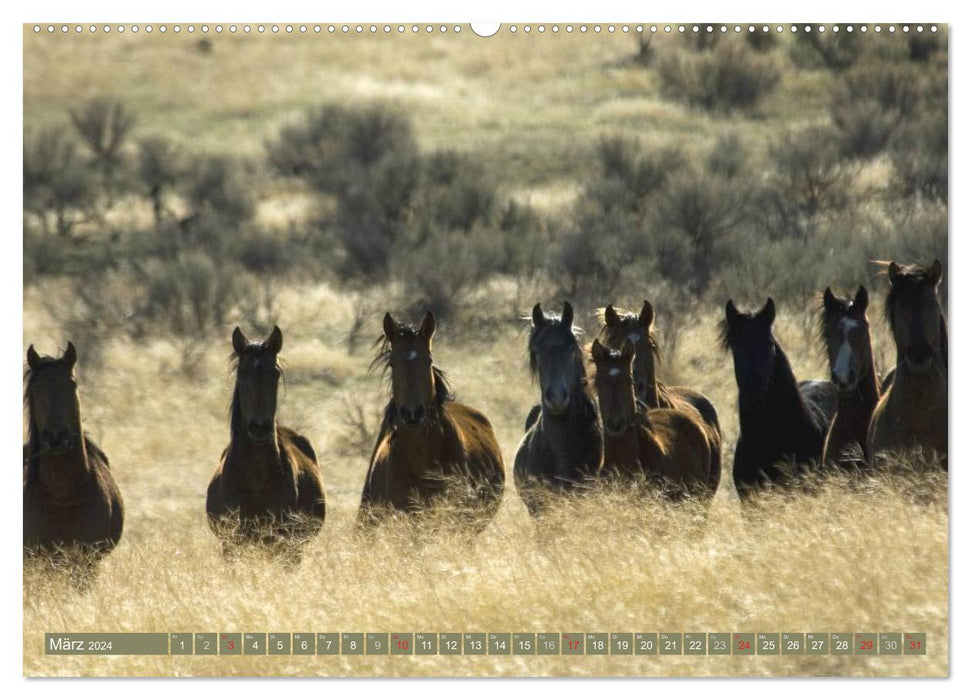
{"type": "Point", "coordinates": [852, 556]}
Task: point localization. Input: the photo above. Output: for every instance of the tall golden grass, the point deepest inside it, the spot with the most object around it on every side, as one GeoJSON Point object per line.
{"type": "Point", "coordinates": [850, 556]}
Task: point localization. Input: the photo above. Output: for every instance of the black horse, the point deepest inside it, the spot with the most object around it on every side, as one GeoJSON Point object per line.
{"type": "Point", "coordinates": [563, 445]}
{"type": "Point", "coordinates": [781, 421]}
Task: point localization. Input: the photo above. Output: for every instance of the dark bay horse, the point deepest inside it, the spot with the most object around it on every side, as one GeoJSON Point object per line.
{"type": "Point", "coordinates": [846, 334]}
{"type": "Point", "coordinates": [72, 505]}
{"type": "Point", "coordinates": [563, 446]}
{"type": "Point", "coordinates": [913, 411]}
{"type": "Point", "coordinates": [268, 489]}
{"type": "Point", "coordinates": [780, 420]}
{"type": "Point", "coordinates": [620, 325]}
{"type": "Point", "coordinates": [432, 451]}
{"type": "Point", "coordinates": [668, 448]}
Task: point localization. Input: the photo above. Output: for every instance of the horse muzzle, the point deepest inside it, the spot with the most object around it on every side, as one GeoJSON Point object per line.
{"type": "Point", "coordinates": [260, 433]}
{"type": "Point", "coordinates": [919, 356]}
{"type": "Point", "coordinates": [413, 416]}
{"type": "Point", "coordinates": [615, 427]}
{"type": "Point", "coordinates": [58, 444]}
{"type": "Point", "coordinates": [556, 402]}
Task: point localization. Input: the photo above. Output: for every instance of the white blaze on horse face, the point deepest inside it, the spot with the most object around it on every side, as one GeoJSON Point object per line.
{"type": "Point", "coordinates": [412, 355]}
{"type": "Point", "coordinates": [843, 366]}
{"type": "Point", "coordinates": [614, 372]}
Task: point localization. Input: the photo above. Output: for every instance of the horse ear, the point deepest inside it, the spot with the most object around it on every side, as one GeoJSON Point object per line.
{"type": "Point", "coordinates": [893, 270]}
{"type": "Point", "coordinates": [731, 313]}
{"type": "Point", "coordinates": [33, 359]}
{"type": "Point", "coordinates": [567, 317]}
{"type": "Point", "coordinates": [829, 301]}
{"type": "Point", "coordinates": [70, 355]}
{"type": "Point", "coordinates": [627, 351]}
{"type": "Point", "coordinates": [538, 318]}
{"type": "Point", "coordinates": [647, 315]}
{"type": "Point", "coordinates": [275, 342]}
{"type": "Point", "coordinates": [935, 273]}
{"type": "Point", "coordinates": [861, 300]}
{"type": "Point", "coordinates": [610, 316]}
{"type": "Point", "coordinates": [390, 327]}
{"type": "Point", "coordinates": [597, 351]}
{"type": "Point", "coordinates": [768, 311]}
{"type": "Point", "coordinates": [428, 326]}
{"type": "Point", "coordinates": [239, 341]}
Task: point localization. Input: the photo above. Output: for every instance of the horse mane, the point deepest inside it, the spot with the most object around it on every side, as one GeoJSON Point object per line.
{"type": "Point", "coordinates": [724, 335]}
{"type": "Point", "coordinates": [627, 316]}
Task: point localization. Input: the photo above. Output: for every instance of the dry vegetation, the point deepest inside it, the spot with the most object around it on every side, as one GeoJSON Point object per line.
{"type": "Point", "coordinates": [155, 382]}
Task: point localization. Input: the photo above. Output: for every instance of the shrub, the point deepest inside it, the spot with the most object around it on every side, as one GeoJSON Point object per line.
{"type": "Point", "coordinates": [333, 143]}
{"type": "Point", "coordinates": [214, 186]}
{"type": "Point", "coordinates": [922, 46]}
{"type": "Point", "coordinates": [730, 77]}
{"type": "Point", "coordinates": [703, 211]}
{"type": "Point", "coordinates": [919, 152]}
{"type": "Point", "coordinates": [761, 41]}
{"type": "Point", "coordinates": [629, 177]}
{"type": "Point", "coordinates": [159, 170]}
{"type": "Point", "coordinates": [836, 50]}
{"type": "Point", "coordinates": [728, 157]}
{"type": "Point", "coordinates": [57, 182]}
{"type": "Point", "coordinates": [437, 272]}
{"type": "Point", "coordinates": [104, 125]}
{"type": "Point", "coordinates": [192, 294]}
{"type": "Point", "coordinates": [807, 176]}
{"type": "Point", "coordinates": [868, 104]}
{"type": "Point", "coordinates": [456, 192]}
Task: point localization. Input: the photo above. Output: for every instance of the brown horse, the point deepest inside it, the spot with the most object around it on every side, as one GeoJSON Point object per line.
{"type": "Point", "coordinates": [666, 447]}
{"type": "Point", "coordinates": [913, 411]}
{"type": "Point", "coordinates": [562, 449]}
{"type": "Point", "coordinates": [72, 505]}
{"type": "Point", "coordinates": [268, 488]}
{"type": "Point", "coordinates": [846, 333]}
{"type": "Point", "coordinates": [432, 450]}
{"type": "Point", "coordinates": [620, 325]}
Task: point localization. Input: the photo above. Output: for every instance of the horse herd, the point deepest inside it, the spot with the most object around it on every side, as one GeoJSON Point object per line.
{"type": "Point", "coordinates": [624, 426]}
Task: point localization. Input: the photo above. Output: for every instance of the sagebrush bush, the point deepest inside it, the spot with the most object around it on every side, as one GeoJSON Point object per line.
{"type": "Point", "coordinates": [807, 175]}
{"type": "Point", "coordinates": [834, 49]}
{"type": "Point", "coordinates": [215, 185]}
{"type": "Point", "coordinates": [703, 210]}
{"type": "Point", "coordinates": [919, 151]}
{"type": "Point", "coordinates": [194, 294]}
{"type": "Point", "coordinates": [329, 147]}
{"type": "Point", "coordinates": [728, 156]}
{"type": "Point", "coordinates": [159, 170]}
{"type": "Point", "coordinates": [762, 41]}
{"type": "Point", "coordinates": [919, 148]}
{"type": "Point", "coordinates": [104, 126]}
{"type": "Point", "coordinates": [58, 187]}
{"type": "Point", "coordinates": [629, 176]}
{"type": "Point", "coordinates": [437, 272]}
{"type": "Point", "coordinates": [868, 104]}
{"type": "Point", "coordinates": [729, 77]}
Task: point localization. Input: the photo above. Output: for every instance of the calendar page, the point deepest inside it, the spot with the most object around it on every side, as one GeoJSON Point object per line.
{"type": "Point", "coordinates": [526, 349]}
